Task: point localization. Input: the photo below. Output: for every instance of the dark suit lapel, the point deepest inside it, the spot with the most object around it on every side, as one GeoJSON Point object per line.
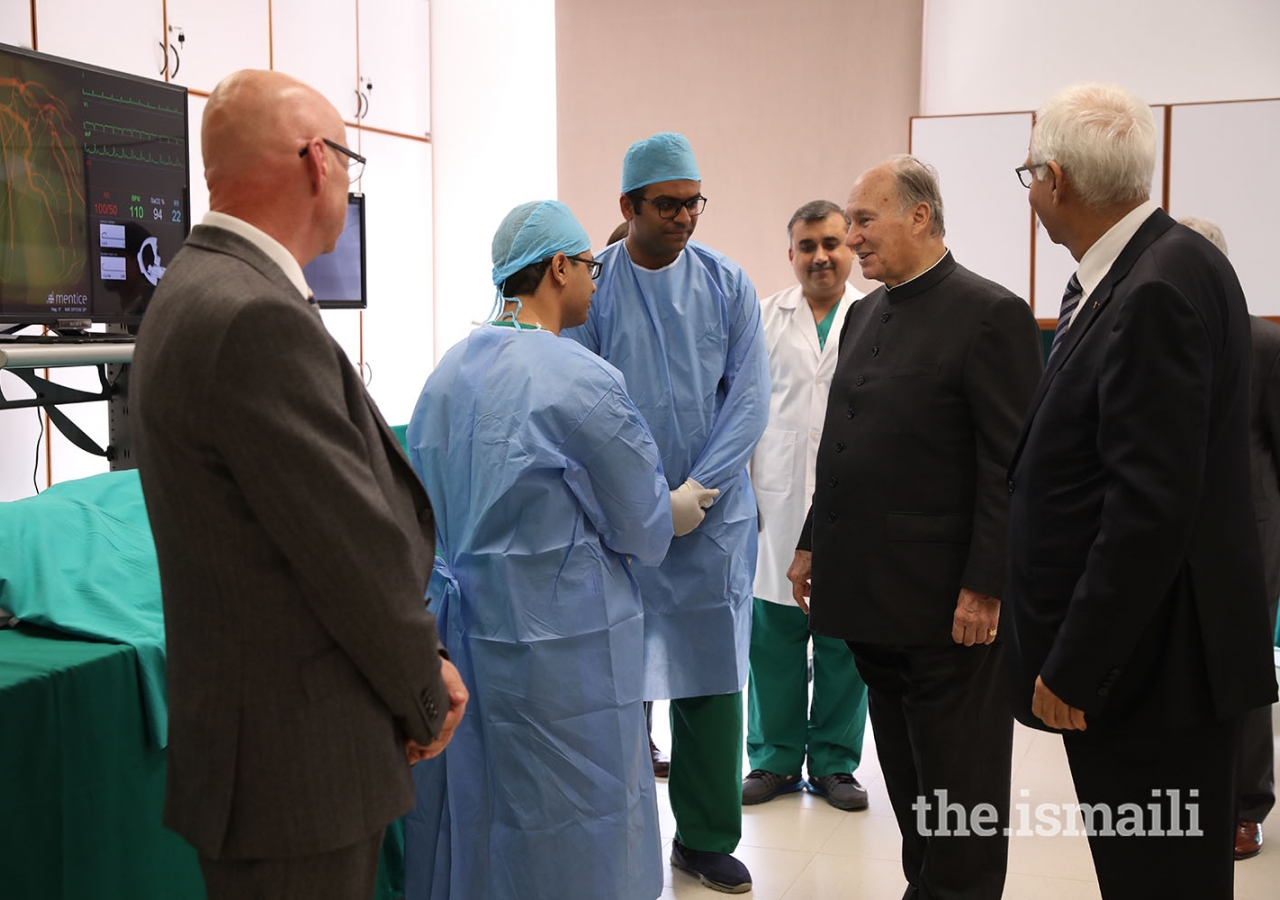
{"type": "Point", "coordinates": [219, 240]}
{"type": "Point", "coordinates": [399, 459]}
{"type": "Point", "coordinates": [1156, 224]}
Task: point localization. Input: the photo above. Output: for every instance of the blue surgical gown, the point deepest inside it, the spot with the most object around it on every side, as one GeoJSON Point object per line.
{"type": "Point", "coordinates": [689, 341]}
{"type": "Point", "coordinates": [544, 480]}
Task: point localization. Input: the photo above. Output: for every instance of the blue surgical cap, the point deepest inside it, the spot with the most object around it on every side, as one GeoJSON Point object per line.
{"type": "Point", "coordinates": [532, 232]}
{"type": "Point", "coordinates": [664, 157]}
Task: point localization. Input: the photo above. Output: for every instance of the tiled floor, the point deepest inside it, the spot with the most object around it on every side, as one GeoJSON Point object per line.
{"type": "Point", "coordinates": [799, 848]}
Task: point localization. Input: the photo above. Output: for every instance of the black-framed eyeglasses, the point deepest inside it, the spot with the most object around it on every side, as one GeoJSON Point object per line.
{"type": "Point", "coordinates": [1024, 173]}
{"type": "Point", "coordinates": [594, 267]}
{"type": "Point", "coordinates": [355, 162]}
{"type": "Point", "coordinates": [669, 207]}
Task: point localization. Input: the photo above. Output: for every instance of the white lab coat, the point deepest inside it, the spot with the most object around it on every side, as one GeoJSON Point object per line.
{"type": "Point", "coordinates": [782, 467]}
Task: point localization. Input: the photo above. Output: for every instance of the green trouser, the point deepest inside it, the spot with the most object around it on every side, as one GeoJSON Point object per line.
{"type": "Point", "coordinates": [780, 725]}
{"type": "Point", "coordinates": [705, 785]}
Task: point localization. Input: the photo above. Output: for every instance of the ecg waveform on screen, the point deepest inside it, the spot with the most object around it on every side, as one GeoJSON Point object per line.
{"type": "Point", "coordinates": [42, 192]}
{"type": "Point", "coordinates": [125, 154]}
{"type": "Point", "coordinates": [138, 134]}
{"type": "Point", "coordinates": [131, 101]}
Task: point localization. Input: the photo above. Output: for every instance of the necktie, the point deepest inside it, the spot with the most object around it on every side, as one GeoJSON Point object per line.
{"type": "Point", "coordinates": [1070, 300]}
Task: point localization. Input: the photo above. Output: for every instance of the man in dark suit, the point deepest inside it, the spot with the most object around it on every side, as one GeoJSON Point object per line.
{"type": "Point", "coordinates": [294, 541]}
{"type": "Point", "coordinates": [1135, 593]}
{"type": "Point", "coordinates": [905, 539]}
{"type": "Point", "coordinates": [1256, 791]}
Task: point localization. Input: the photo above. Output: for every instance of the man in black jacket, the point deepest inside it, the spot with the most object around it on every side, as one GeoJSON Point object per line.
{"type": "Point", "coordinates": [905, 538]}
{"type": "Point", "coordinates": [1256, 759]}
{"type": "Point", "coordinates": [1137, 611]}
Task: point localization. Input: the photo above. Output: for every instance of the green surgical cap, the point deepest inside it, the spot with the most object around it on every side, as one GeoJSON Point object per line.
{"type": "Point", "coordinates": [664, 157]}
{"type": "Point", "coordinates": [533, 232]}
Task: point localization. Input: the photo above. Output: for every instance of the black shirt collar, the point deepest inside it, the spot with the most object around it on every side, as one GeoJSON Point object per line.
{"type": "Point", "coordinates": [925, 281]}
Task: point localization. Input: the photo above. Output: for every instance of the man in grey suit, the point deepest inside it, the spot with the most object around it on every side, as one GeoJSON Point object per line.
{"type": "Point", "coordinates": [1256, 758]}
{"type": "Point", "coordinates": [294, 541]}
{"type": "Point", "coordinates": [905, 539]}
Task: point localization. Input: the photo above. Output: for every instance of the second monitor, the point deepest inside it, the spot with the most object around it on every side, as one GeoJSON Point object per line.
{"type": "Point", "coordinates": [338, 279]}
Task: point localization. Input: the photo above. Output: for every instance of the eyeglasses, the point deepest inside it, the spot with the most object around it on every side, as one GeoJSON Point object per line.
{"type": "Point", "coordinates": [669, 207]}
{"type": "Point", "coordinates": [594, 268]}
{"type": "Point", "coordinates": [1024, 173]}
{"type": "Point", "coordinates": [355, 162]}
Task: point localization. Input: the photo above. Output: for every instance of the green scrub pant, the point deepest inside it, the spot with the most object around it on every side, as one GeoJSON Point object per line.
{"type": "Point", "coordinates": [705, 785]}
{"type": "Point", "coordinates": [781, 727]}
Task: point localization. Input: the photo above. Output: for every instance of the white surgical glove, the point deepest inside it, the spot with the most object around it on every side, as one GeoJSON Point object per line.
{"type": "Point", "coordinates": [687, 504]}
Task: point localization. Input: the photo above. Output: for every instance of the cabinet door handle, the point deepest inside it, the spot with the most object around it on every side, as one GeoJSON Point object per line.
{"type": "Point", "coordinates": [177, 61]}
{"type": "Point", "coordinates": [368, 86]}
{"type": "Point", "coordinates": [359, 105]}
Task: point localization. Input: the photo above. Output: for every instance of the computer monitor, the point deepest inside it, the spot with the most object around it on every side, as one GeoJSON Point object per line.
{"type": "Point", "coordinates": [94, 189]}
{"type": "Point", "coordinates": [338, 279]}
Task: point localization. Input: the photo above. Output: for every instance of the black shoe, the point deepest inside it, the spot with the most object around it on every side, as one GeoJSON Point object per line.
{"type": "Point", "coordinates": [718, 871]}
{"type": "Point", "coordinates": [762, 785]}
{"type": "Point", "coordinates": [841, 790]}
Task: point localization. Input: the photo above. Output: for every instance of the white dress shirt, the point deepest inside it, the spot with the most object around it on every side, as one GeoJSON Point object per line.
{"type": "Point", "coordinates": [264, 242]}
{"type": "Point", "coordinates": [1099, 258]}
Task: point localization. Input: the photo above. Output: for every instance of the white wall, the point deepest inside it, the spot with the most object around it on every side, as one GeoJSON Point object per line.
{"type": "Point", "coordinates": [773, 96]}
{"type": "Point", "coordinates": [1003, 55]}
{"type": "Point", "coordinates": [15, 24]}
{"type": "Point", "coordinates": [493, 131]}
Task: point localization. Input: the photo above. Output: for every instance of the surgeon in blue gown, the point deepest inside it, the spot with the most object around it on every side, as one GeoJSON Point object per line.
{"type": "Point", "coordinates": [682, 323]}
{"type": "Point", "coordinates": [546, 486]}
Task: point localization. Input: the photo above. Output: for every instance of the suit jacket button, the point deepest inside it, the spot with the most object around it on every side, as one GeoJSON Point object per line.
{"type": "Point", "coordinates": [839, 447]}
{"type": "Point", "coordinates": [831, 517]}
{"type": "Point", "coordinates": [886, 317]}
{"type": "Point", "coordinates": [875, 351]}
{"type": "Point", "coordinates": [848, 413]}
{"type": "Point", "coordinates": [1010, 485]}
{"type": "Point", "coordinates": [860, 380]}
{"type": "Point", "coordinates": [1103, 691]}
{"type": "Point", "coordinates": [832, 482]}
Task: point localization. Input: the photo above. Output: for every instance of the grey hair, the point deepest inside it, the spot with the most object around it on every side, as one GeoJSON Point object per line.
{"type": "Point", "coordinates": [1103, 137]}
{"type": "Point", "coordinates": [1209, 229]}
{"type": "Point", "coordinates": [917, 182]}
{"type": "Point", "coordinates": [816, 211]}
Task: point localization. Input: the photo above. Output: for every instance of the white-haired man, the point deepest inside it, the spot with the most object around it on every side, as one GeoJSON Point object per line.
{"type": "Point", "coordinates": [1135, 591]}
{"type": "Point", "coordinates": [905, 537]}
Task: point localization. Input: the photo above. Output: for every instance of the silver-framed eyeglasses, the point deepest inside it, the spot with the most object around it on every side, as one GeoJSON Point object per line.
{"type": "Point", "coordinates": [1024, 173]}
{"type": "Point", "coordinates": [355, 162]}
